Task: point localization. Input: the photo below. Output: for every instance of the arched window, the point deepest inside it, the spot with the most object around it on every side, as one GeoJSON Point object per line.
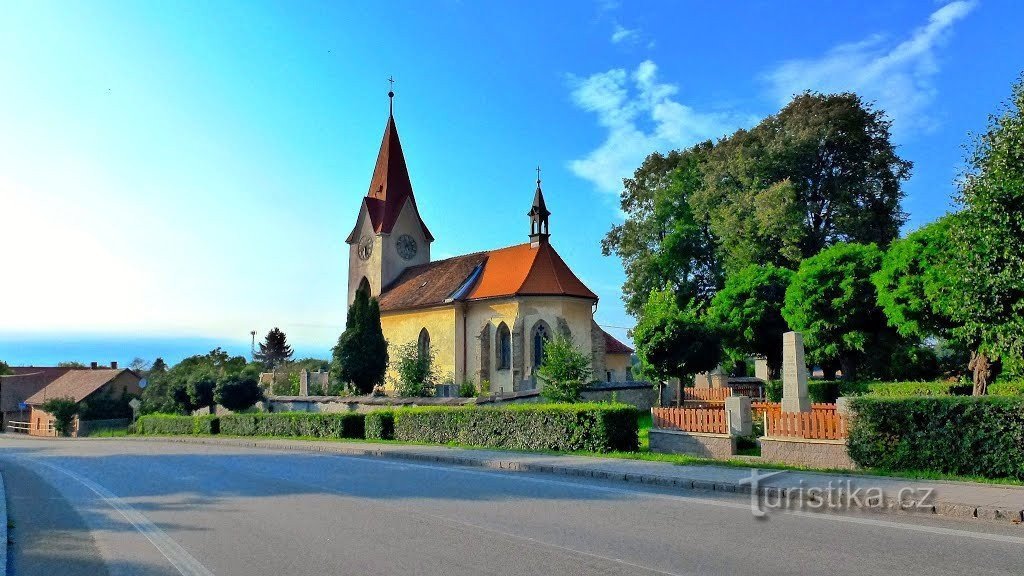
{"type": "Point", "coordinates": [423, 345]}
{"type": "Point", "coordinates": [364, 286]}
{"type": "Point", "coordinates": [503, 352]}
{"type": "Point", "coordinates": [541, 334]}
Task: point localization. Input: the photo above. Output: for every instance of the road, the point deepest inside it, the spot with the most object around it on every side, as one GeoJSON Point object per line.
{"type": "Point", "coordinates": [107, 506]}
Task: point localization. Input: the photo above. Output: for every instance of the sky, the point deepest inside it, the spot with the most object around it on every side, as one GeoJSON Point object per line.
{"type": "Point", "coordinates": [174, 175]}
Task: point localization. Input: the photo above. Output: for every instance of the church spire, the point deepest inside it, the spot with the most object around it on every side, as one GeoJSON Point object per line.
{"type": "Point", "coordinates": [538, 214]}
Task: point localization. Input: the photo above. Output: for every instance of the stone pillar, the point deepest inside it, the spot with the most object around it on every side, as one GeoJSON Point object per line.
{"type": "Point", "coordinates": [843, 406]}
{"type": "Point", "coordinates": [740, 417]}
{"type": "Point", "coordinates": [794, 374]}
{"type": "Point", "coordinates": [719, 379]}
{"type": "Point", "coordinates": [702, 380]}
{"type": "Point", "coordinates": [761, 369]}
{"type": "Point", "coordinates": [304, 382]}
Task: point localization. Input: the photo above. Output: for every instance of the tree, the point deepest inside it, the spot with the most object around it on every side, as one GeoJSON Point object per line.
{"type": "Point", "coordinates": [821, 171]}
{"type": "Point", "coordinates": [833, 303]}
{"type": "Point", "coordinates": [71, 364]}
{"type": "Point", "coordinates": [913, 284]}
{"type": "Point", "coordinates": [139, 365]}
{"type": "Point", "coordinates": [361, 354]}
{"type": "Point", "coordinates": [200, 386]}
{"type": "Point", "coordinates": [274, 350]}
{"type": "Point", "coordinates": [239, 390]}
{"type": "Point", "coordinates": [748, 312]}
{"type": "Point", "coordinates": [663, 241]}
{"type": "Point", "coordinates": [989, 241]}
{"type": "Point", "coordinates": [158, 367]}
{"type": "Point", "coordinates": [415, 370]}
{"type": "Point", "coordinates": [4, 368]}
{"type": "Point", "coordinates": [566, 370]}
{"type": "Point", "coordinates": [675, 341]}
{"type": "Point", "coordinates": [63, 411]}
{"type": "Point", "coordinates": [187, 385]}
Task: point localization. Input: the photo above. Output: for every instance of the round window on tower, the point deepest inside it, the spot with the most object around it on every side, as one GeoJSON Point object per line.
{"type": "Point", "coordinates": [406, 247]}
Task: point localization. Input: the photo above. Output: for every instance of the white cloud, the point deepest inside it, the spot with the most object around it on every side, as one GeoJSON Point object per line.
{"type": "Point", "coordinates": [641, 115]}
{"type": "Point", "coordinates": [899, 78]}
{"type": "Point", "coordinates": [622, 34]}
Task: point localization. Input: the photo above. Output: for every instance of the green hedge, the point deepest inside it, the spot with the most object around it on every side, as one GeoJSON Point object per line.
{"type": "Point", "coordinates": [564, 427]}
{"type": "Point", "coordinates": [171, 424]}
{"type": "Point", "coordinates": [1007, 388]}
{"type": "Point", "coordinates": [912, 389]}
{"type": "Point", "coordinates": [380, 425]}
{"type": "Point", "coordinates": [773, 391]}
{"type": "Point", "coordinates": [955, 435]}
{"type": "Point", "coordinates": [316, 425]}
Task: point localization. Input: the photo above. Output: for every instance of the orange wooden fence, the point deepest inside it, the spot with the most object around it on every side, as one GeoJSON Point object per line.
{"type": "Point", "coordinates": [760, 408]}
{"type": "Point", "coordinates": [816, 424]}
{"type": "Point", "coordinates": [692, 419]}
{"type": "Point", "coordinates": [691, 394]}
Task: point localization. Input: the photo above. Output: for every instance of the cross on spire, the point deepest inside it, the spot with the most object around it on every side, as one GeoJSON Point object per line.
{"type": "Point", "coordinates": [391, 95]}
{"type": "Point", "coordinates": [538, 176]}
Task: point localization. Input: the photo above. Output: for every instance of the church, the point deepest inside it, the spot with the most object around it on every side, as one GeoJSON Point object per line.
{"type": "Point", "coordinates": [484, 316]}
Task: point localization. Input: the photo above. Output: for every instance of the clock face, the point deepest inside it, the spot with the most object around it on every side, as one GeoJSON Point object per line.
{"type": "Point", "coordinates": [365, 247]}
{"type": "Point", "coordinates": [406, 247]}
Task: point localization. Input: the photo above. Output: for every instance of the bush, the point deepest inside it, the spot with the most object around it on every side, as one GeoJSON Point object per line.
{"type": "Point", "coordinates": [773, 390]}
{"type": "Point", "coordinates": [827, 391]}
{"type": "Point", "coordinates": [563, 427]}
{"type": "Point", "coordinates": [912, 389]}
{"type": "Point", "coordinates": [974, 436]}
{"type": "Point", "coordinates": [566, 370]}
{"type": "Point", "coordinates": [1007, 388]}
{"type": "Point", "coordinates": [238, 391]}
{"type": "Point", "coordinates": [415, 369]}
{"type": "Point", "coordinates": [316, 425]}
{"type": "Point", "coordinates": [467, 389]}
{"type": "Point", "coordinates": [63, 411]}
{"type": "Point", "coordinates": [172, 424]}
{"type": "Point", "coordinates": [380, 425]}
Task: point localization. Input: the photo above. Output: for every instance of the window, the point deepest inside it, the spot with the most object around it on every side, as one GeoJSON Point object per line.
{"type": "Point", "coordinates": [503, 353]}
{"type": "Point", "coordinates": [541, 334]}
{"type": "Point", "coordinates": [608, 374]}
{"type": "Point", "coordinates": [423, 345]}
{"type": "Point", "coordinates": [364, 286]}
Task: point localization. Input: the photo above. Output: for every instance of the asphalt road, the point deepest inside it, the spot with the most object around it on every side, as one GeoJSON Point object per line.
{"type": "Point", "coordinates": [121, 507]}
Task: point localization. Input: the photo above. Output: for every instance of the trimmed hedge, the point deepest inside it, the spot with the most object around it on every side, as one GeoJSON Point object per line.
{"type": "Point", "coordinates": [954, 435]}
{"type": "Point", "coordinates": [911, 389]}
{"type": "Point", "coordinates": [172, 424]}
{"type": "Point", "coordinates": [380, 425]}
{"type": "Point", "coordinates": [312, 424]}
{"type": "Point", "coordinates": [564, 427]}
{"type": "Point", "coordinates": [1007, 388]}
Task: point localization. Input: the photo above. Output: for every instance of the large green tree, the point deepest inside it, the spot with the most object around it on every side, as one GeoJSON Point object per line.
{"type": "Point", "coordinates": [663, 242]}
{"type": "Point", "coordinates": [823, 170]}
{"type": "Point", "coordinates": [989, 239]}
{"type": "Point", "coordinates": [833, 303]}
{"type": "Point", "coordinates": [674, 341]}
{"type": "Point", "coordinates": [274, 350]}
{"type": "Point", "coordinates": [188, 385]}
{"type": "Point", "coordinates": [748, 312]}
{"type": "Point", "coordinates": [360, 357]}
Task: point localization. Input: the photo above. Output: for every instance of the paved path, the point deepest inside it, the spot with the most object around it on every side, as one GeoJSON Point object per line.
{"type": "Point", "coordinates": [197, 509]}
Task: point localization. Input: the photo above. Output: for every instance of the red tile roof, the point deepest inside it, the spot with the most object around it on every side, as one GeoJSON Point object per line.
{"type": "Point", "coordinates": [613, 346]}
{"type": "Point", "coordinates": [76, 384]}
{"type": "Point", "coordinates": [390, 186]}
{"type": "Point", "coordinates": [24, 382]}
{"type": "Point", "coordinates": [521, 270]}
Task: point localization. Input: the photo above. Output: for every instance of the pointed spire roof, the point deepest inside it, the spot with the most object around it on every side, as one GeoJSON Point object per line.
{"type": "Point", "coordinates": [390, 186]}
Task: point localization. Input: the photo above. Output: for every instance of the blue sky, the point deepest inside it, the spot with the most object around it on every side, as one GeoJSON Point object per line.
{"type": "Point", "coordinates": [174, 175]}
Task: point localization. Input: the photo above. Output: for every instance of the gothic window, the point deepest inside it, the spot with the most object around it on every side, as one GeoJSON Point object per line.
{"type": "Point", "coordinates": [541, 334]}
{"type": "Point", "coordinates": [503, 351]}
{"type": "Point", "coordinates": [364, 285]}
{"type": "Point", "coordinates": [423, 345]}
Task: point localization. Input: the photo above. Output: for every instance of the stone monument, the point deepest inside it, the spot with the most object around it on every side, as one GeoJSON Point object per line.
{"type": "Point", "coordinates": [761, 368]}
{"type": "Point", "coordinates": [794, 374]}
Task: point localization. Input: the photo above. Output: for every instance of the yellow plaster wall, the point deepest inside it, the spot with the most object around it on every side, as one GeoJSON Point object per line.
{"type": "Point", "coordinates": [403, 327]}
{"type": "Point", "coordinates": [618, 364]}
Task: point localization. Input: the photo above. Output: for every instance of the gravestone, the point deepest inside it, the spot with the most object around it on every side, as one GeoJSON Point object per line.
{"type": "Point", "coordinates": [794, 374]}
{"type": "Point", "coordinates": [740, 416]}
{"type": "Point", "coordinates": [304, 383]}
{"type": "Point", "coordinates": [761, 368]}
{"type": "Point", "coordinates": [702, 380]}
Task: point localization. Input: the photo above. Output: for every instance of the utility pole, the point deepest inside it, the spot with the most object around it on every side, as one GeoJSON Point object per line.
{"type": "Point", "coordinates": [252, 347]}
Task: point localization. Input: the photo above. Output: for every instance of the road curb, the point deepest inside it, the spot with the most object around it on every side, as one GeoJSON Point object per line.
{"type": "Point", "coordinates": [795, 499]}
{"type": "Point", "coordinates": [3, 527]}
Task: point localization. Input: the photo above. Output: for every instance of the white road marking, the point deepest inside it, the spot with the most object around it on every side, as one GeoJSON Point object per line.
{"type": "Point", "coordinates": [185, 563]}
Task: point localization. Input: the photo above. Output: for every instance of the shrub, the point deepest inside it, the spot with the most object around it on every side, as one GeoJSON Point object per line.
{"type": "Point", "coordinates": [912, 389]}
{"type": "Point", "coordinates": [773, 390]}
{"type": "Point", "coordinates": [63, 411]}
{"type": "Point", "coordinates": [467, 389]}
{"type": "Point", "coordinates": [380, 425]}
{"type": "Point", "coordinates": [566, 370]}
{"type": "Point", "coordinates": [975, 436]}
{"type": "Point", "coordinates": [172, 424]}
{"type": "Point", "coordinates": [827, 391]}
{"type": "Point", "coordinates": [415, 368]}
{"type": "Point", "coordinates": [1007, 388]}
{"type": "Point", "coordinates": [563, 427]}
{"type": "Point", "coordinates": [316, 425]}
{"type": "Point", "coordinates": [238, 391]}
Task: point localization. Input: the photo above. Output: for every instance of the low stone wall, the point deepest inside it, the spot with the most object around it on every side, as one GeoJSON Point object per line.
{"type": "Point", "coordinates": [694, 443]}
{"type": "Point", "coordinates": [640, 394]}
{"type": "Point", "coordinates": [804, 452]}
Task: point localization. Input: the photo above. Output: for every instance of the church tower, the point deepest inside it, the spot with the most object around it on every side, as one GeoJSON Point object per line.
{"type": "Point", "coordinates": [389, 235]}
{"type": "Point", "coordinates": [538, 214]}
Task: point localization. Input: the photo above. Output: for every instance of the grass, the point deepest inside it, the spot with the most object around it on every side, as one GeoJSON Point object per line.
{"type": "Point", "coordinates": [110, 433]}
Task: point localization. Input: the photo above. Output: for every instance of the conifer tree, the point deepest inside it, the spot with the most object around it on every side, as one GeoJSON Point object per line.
{"type": "Point", "coordinates": [274, 350]}
{"type": "Point", "coordinates": [361, 355]}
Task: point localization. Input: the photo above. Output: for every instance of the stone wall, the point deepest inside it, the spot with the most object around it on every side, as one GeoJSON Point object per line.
{"type": "Point", "coordinates": [804, 452]}
{"type": "Point", "coordinates": [693, 443]}
{"type": "Point", "coordinates": [643, 395]}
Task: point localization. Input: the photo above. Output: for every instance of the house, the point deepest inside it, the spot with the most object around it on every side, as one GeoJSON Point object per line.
{"type": "Point", "coordinates": [484, 316]}
{"type": "Point", "coordinates": [31, 387]}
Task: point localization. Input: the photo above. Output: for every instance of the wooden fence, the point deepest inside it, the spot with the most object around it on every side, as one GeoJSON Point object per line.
{"type": "Point", "coordinates": [691, 394]}
{"type": "Point", "coordinates": [816, 425]}
{"type": "Point", "coordinates": [761, 408]}
{"type": "Point", "coordinates": [692, 419]}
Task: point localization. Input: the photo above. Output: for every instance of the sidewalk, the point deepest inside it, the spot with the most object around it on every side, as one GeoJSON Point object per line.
{"type": "Point", "coordinates": [813, 491]}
